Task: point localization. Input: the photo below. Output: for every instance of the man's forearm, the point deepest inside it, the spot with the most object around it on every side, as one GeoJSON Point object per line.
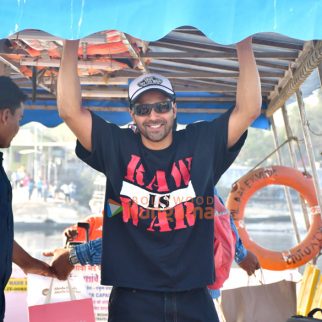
{"type": "Point", "coordinates": [249, 97]}
{"type": "Point", "coordinates": [90, 253]}
{"type": "Point", "coordinates": [69, 99]}
{"type": "Point", "coordinates": [68, 84]}
{"type": "Point", "coordinates": [19, 255]}
{"type": "Point", "coordinates": [28, 263]}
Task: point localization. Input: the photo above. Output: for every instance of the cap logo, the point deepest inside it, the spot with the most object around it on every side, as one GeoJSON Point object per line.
{"type": "Point", "coordinates": [151, 80]}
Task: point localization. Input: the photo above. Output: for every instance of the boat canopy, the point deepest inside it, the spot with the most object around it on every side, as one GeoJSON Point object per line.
{"type": "Point", "coordinates": [190, 42]}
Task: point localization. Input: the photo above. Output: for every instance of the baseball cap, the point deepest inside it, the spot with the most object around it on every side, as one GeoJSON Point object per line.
{"type": "Point", "coordinates": [148, 82]}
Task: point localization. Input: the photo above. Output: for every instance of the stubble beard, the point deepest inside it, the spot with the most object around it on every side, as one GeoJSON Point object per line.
{"type": "Point", "coordinates": [155, 136]}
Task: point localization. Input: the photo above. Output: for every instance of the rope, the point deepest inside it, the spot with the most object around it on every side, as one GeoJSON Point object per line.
{"type": "Point", "coordinates": [313, 132]}
{"type": "Point", "coordinates": [279, 147]}
{"type": "Point", "coordinates": [274, 151]}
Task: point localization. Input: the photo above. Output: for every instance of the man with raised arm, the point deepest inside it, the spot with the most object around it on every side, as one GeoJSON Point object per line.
{"type": "Point", "coordinates": [158, 252]}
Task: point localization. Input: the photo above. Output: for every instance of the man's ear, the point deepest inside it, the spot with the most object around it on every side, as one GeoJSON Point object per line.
{"type": "Point", "coordinates": [4, 115]}
{"type": "Point", "coordinates": [132, 115]}
{"type": "Point", "coordinates": [175, 109]}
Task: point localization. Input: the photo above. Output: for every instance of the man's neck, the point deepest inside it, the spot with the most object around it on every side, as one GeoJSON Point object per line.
{"type": "Point", "coordinates": [152, 145]}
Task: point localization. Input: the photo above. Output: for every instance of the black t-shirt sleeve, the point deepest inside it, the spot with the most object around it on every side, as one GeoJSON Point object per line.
{"type": "Point", "coordinates": [223, 162]}
{"type": "Point", "coordinates": [211, 139]}
{"type": "Point", "coordinates": [105, 145]}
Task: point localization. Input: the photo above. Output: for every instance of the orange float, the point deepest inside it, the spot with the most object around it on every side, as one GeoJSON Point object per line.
{"type": "Point", "coordinates": [95, 229]}
{"type": "Point", "coordinates": [246, 186]}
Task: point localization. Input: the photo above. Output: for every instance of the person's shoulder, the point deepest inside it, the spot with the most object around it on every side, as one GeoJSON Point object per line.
{"type": "Point", "coordinates": [197, 126]}
{"type": "Point", "coordinates": [218, 121]}
{"type": "Point", "coordinates": [98, 121]}
{"type": "Point", "coordinates": [190, 130]}
{"type": "Point", "coordinates": [128, 134]}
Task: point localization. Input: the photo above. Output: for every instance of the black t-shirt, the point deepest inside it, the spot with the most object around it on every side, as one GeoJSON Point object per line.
{"type": "Point", "coordinates": [163, 239]}
{"type": "Point", "coordinates": [6, 234]}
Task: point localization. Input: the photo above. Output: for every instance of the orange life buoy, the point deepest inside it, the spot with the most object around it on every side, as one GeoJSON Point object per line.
{"type": "Point", "coordinates": [246, 186]}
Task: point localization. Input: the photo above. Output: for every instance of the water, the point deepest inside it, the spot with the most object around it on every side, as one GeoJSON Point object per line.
{"type": "Point", "coordinates": [35, 242]}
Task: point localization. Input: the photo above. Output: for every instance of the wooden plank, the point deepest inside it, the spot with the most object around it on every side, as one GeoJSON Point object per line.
{"type": "Point", "coordinates": [197, 99]}
{"type": "Point", "coordinates": [27, 61]}
{"type": "Point", "coordinates": [271, 64]}
{"type": "Point", "coordinates": [193, 45]}
{"type": "Point", "coordinates": [277, 43]}
{"type": "Point", "coordinates": [212, 88]}
{"type": "Point", "coordinates": [182, 73]}
{"type": "Point", "coordinates": [208, 89]}
{"type": "Point", "coordinates": [292, 47]}
{"type": "Point", "coordinates": [95, 80]}
{"type": "Point", "coordinates": [203, 52]}
{"type": "Point", "coordinates": [123, 93]}
{"type": "Point", "coordinates": [163, 68]}
{"type": "Point", "coordinates": [15, 68]}
{"type": "Point", "coordinates": [281, 55]}
{"type": "Point", "coordinates": [265, 80]}
{"type": "Point", "coordinates": [265, 83]}
{"type": "Point", "coordinates": [105, 93]}
{"type": "Point", "coordinates": [310, 61]}
{"type": "Point", "coordinates": [194, 73]}
{"type": "Point", "coordinates": [187, 54]}
{"type": "Point", "coordinates": [202, 99]}
{"type": "Point", "coordinates": [191, 31]}
{"type": "Point", "coordinates": [4, 70]}
{"type": "Point", "coordinates": [197, 110]}
{"type": "Point", "coordinates": [204, 82]}
{"type": "Point", "coordinates": [222, 67]}
{"type": "Point", "coordinates": [125, 109]}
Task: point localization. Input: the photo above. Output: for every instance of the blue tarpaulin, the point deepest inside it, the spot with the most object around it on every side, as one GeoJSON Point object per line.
{"type": "Point", "coordinates": [223, 21]}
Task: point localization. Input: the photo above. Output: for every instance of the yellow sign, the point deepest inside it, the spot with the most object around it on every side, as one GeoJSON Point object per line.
{"type": "Point", "coordinates": [17, 285]}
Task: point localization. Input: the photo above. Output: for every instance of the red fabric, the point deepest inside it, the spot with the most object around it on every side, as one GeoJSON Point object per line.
{"type": "Point", "coordinates": [224, 245]}
{"type": "Point", "coordinates": [70, 311]}
{"type": "Point", "coordinates": [95, 229]}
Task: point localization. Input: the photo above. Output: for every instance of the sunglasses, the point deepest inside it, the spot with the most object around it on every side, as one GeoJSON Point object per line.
{"type": "Point", "coordinates": [145, 109]}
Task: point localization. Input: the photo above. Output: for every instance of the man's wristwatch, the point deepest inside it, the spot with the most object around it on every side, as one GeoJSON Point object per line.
{"type": "Point", "coordinates": [72, 259]}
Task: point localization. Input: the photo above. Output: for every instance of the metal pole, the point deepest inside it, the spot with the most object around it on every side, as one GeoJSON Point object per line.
{"type": "Point", "coordinates": [286, 189]}
{"type": "Point", "coordinates": [292, 153]}
{"type": "Point", "coordinates": [35, 153]}
{"type": "Point", "coordinates": [308, 144]}
{"type": "Point", "coordinates": [3, 69]}
{"type": "Point", "coordinates": [320, 73]}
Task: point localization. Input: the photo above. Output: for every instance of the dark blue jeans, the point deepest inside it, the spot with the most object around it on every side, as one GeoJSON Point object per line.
{"type": "Point", "coordinates": [133, 305]}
